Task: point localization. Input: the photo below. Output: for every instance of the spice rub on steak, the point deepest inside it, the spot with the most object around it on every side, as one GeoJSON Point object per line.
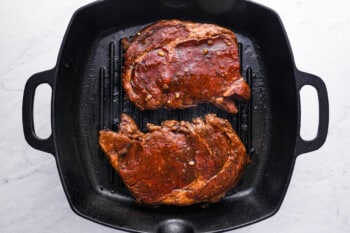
{"type": "Point", "coordinates": [178, 64]}
{"type": "Point", "coordinates": [178, 162]}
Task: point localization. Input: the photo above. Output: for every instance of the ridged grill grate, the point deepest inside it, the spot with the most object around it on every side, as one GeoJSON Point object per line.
{"type": "Point", "coordinates": [112, 97]}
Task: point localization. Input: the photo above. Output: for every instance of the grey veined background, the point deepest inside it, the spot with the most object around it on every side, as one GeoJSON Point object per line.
{"type": "Point", "coordinates": [31, 196]}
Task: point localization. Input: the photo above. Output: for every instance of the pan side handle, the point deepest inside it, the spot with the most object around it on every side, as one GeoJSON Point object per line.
{"type": "Point", "coordinates": [304, 146]}
{"type": "Point", "coordinates": [46, 145]}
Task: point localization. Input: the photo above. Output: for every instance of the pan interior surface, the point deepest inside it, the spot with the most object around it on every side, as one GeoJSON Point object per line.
{"type": "Point", "coordinates": [88, 88]}
{"type": "Point", "coordinates": [104, 84]}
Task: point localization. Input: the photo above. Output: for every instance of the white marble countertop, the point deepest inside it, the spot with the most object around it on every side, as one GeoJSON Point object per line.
{"type": "Point", "coordinates": [31, 196]}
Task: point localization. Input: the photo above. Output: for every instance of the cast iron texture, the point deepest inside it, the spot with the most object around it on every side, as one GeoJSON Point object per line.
{"type": "Point", "coordinates": [87, 96]}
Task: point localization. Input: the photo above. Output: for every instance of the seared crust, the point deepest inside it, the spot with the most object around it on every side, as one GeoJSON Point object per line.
{"type": "Point", "coordinates": [179, 64]}
{"type": "Point", "coordinates": [176, 163]}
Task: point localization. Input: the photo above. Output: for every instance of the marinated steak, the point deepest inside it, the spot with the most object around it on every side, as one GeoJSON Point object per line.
{"type": "Point", "coordinates": [178, 162]}
{"type": "Point", "coordinates": [179, 64]}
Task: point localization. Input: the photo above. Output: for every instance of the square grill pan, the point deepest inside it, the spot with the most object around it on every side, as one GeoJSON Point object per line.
{"type": "Point", "coordinates": [87, 96]}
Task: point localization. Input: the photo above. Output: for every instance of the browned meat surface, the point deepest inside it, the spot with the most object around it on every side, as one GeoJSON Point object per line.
{"type": "Point", "coordinates": [179, 64]}
{"type": "Point", "coordinates": [177, 163]}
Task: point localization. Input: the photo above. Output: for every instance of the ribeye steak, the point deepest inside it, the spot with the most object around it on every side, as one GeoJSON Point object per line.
{"type": "Point", "coordinates": [178, 162]}
{"type": "Point", "coordinates": [179, 64]}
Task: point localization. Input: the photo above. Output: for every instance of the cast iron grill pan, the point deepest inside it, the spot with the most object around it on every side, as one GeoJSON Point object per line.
{"type": "Point", "coordinates": [87, 97]}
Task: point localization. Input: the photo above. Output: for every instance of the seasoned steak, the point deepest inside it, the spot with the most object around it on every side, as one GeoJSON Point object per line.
{"type": "Point", "coordinates": [178, 64]}
{"type": "Point", "coordinates": [178, 162]}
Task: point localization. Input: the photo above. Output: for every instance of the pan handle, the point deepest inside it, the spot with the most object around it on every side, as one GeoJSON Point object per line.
{"type": "Point", "coordinates": [46, 145]}
{"type": "Point", "coordinates": [303, 146]}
